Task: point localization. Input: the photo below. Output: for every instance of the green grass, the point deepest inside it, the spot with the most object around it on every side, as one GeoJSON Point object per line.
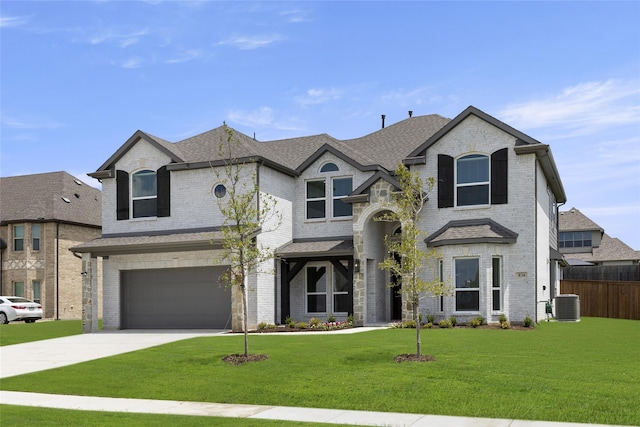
{"type": "Point", "coordinates": [20, 332]}
{"type": "Point", "coordinates": [580, 372]}
{"type": "Point", "coordinates": [44, 417]}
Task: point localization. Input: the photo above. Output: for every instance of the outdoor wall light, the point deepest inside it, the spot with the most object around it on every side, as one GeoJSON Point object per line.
{"type": "Point", "coordinates": [356, 265]}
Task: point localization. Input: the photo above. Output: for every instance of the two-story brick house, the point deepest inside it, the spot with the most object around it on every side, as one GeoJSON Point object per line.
{"type": "Point", "coordinates": [492, 217]}
{"type": "Point", "coordinates": [41, 217]}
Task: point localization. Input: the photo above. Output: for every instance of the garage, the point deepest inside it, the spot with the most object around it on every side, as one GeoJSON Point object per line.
{"type": "Point", "coordinates": [180, 298]}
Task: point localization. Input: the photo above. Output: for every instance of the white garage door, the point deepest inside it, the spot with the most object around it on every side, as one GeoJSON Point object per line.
{"type": "Point", "coordinates": [181, 298]}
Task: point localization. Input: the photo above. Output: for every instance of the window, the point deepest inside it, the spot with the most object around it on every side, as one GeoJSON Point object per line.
{"type": "Point", "coordinates": [36, 288]}
{"type": "Point", "coordinates": [316, 289]}
{"type": "Point", "coordinates": [496, 283]}
{"type": "Point", "coordinates": [144, 194]}
{"type": "Point", "coordinates": [441, 279]}
{"type": "Point", "coordinates": [341, 189]}
{"type": "Point", "coordinates": [18, 289]}
{"type": "Point", "coordinates": [329, 167]}
{"type": "Point", "coordinates": [150, 194]}
{"type": "Point", "coordinates": [35, 237]}
{"type": "Point", "coordinates": [575, 239]}
{"type": "Point", "coordinates": [316, 199]}
{"type": "Point", "coordinates": [18, 237]}
{"type": "Point", "coordinates": [340, 293]}
{"type": "Point", "coordinates": [220, 191]}
{"type": "Point", "coordinates": [472, 180]}
{"type": "Point", "coordinates": [467, 284]}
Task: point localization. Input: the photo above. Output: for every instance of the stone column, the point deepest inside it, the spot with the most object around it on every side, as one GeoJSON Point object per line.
{"type": "Point", "coordinates": [87, 294]}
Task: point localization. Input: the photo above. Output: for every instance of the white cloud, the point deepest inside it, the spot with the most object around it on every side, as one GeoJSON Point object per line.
{"type": "Point", "coordinates": [295, 16]}
{"type": "Point", "coordinates": [12, 21]}
{"type": "Point", "coordinates": [581, 109]}
{"type": "Point", "coordinates": [122, 40]}
{"type": "Point", "coordinates": [319, 96]}
{"type": "Point", "coordinates": [250, 42]}
{"type": "Point", "coordinates": [185, 56]}
{"type": "Point", "coordinates": [263, 116]}
{"type": "Point", "coordinates": [133, 62]}
{"type": "Point", "coordinates": [28, 123]}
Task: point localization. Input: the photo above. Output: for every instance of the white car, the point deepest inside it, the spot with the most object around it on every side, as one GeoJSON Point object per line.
{"type": "Point", "coordinates": [18, 308]}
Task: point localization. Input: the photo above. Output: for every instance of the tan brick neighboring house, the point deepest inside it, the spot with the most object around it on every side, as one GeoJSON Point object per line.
{"type": "Point", "coordinates": [41, 217]}
{"type": "Point", "coordinates": [583, 242]}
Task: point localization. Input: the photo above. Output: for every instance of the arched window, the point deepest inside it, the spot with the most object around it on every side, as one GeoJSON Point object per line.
{"type": "Point", "coordinates": [472, 180]}
{"type": "Point", "coordinates": [329, 167]}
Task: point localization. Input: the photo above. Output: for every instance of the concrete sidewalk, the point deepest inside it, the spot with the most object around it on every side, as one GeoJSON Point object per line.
{"type": "Point", "coordinates": [41, 355]}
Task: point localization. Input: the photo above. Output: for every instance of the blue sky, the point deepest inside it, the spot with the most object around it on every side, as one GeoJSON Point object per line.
{"type": "Point", "coordinates": [79, 78]}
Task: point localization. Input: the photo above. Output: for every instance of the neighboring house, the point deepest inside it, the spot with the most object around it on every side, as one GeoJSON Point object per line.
{"type": "Point", "coordinates": [492, 217]}
{"type": "Point", "coordinates": [583, 242]}
{"type": "Point", "coordinates": [41, 217]}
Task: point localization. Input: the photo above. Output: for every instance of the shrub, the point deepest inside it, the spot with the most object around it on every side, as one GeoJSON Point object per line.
{"type": "Point", "coordinates": [476, 321]}
{"type": "Point", "coordinates": [315, 322]}
{"type": "Point", "coordinates": [428, 325]}
{"type": "Point", "coordinates": [453, 320]}
{"type": "Point", "coordinates": [504, 325]}
{"type": "Point", "coordinates": [331, 319]}
{"type": "Point", "coordinates": [409, 324]}
{"type": "Point", "coordinates": [430, 318]}
{"type": "Point", "coordinates": [290, 322]}
{"type": "Point", "coordinates": [262, 325]}
{"type": "Point", "coordinates": [270, 326]}
{"type": "Point", "coordinates": [302, 325]}
{"type": "Point", "coordinates": [527, 322]}
{"type": "Point", "coordinates": [445, 324]}
{"type": "Point", "coordinates": [502, 318]}
{"type": "Point", "coordinates": [350, 319]}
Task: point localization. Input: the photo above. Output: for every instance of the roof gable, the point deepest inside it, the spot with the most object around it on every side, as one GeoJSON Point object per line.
{"type": "Point", "coordinates": [460, 232]}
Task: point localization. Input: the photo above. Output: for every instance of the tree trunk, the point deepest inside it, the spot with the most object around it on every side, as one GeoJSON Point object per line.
{"type": "Point", "coordinates": [245, 319]}
{"type": "Point", "coordinates": [418, 338]}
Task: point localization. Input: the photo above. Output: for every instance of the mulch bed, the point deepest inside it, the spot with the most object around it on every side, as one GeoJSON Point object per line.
{"type": "Point", "coordinates": [414, 358]}
{"type": "Point", "coordinates": [239, 359]}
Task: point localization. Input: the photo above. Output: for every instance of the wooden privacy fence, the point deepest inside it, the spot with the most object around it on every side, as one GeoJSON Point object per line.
{"type": "Point", "coordinates": [620, 300]}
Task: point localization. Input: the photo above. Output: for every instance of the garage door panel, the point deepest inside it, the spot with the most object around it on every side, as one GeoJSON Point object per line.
{"type": "Point", "coordinates": [186, 298]}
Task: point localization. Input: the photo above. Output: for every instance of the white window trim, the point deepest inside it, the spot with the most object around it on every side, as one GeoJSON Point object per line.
{"type": "Point", "coordinates": [315, 199]}
{"type": "Point", "coordinates": [470, 184]}
{"type": "Point", "coordinates": [455, 289]}
{"type": "Point", "coordinates": [330, 190]}
{"type": "Point", "coordinates": [500, 288]}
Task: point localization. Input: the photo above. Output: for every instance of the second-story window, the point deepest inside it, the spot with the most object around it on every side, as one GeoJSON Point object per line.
{"type": "Point", "coordinates": [575, 239]}
{"type": "Point", "coordinates": [35, 237]}
{"type": "Point", "coordinates": [472, 180]}
{"type": "Point", "coordinates": [144, 194]}
{"type": "Point", "coordinates": [324, 196]}
{"type": "Point", "coordinates": [18, 238]}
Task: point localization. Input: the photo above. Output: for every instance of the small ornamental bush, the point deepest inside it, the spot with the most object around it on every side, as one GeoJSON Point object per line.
{"type": "Point", "coordinates": [302, 325]}
{"type": "Point", "coordinates": [476, 321]}
{"type": "Point", "coordinates": [331, 319]}
{"type": "Point", "coordinates": [502, 318]}
{"type": "Point", "coordinates": [527, 322]}
{"type": "Point", "coordinates": [453, 320]}
{"type": "Point", "coordinates": [505, 325]}
{"type": "Point", "coordinates": [428, 325]}
{"type": "Point", "coordinates": [262, 325]}
{"type": "Point", "coordinates": [408, 324]}
{"type": "Point", "coordinates": [290, 322]}
{"type": "Point", "coordinates": [446, 324]}
{"type": "Point", "coordinates": [430, 318]}
{"type": "Point", "coordinates": [315, 322]}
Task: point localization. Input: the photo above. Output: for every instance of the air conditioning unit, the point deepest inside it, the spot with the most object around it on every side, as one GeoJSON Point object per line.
{"type": "Point", "coordinates": [567, 308]}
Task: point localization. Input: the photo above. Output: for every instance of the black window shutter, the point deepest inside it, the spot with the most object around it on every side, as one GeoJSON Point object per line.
{"type": "Point", "coordinates": [499, 177]}
{"type": "Point", "coordinates": [445, 181]}
{"type": "Point", "coordinates": [163, 177]}
{"type": "Point", "coordinates": [122, 195]}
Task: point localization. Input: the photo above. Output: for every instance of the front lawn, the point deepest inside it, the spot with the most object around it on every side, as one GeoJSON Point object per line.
{"type": "Point", "coordinates": [20, 332]}
{"type": "Point", "coordinates": [580, 372]}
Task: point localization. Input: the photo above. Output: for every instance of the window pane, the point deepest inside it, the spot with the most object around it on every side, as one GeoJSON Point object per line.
{"type": "Point", "coordinates": [342, 187]}
{"type": "Point", "coordinates": [467, 273]}
{"type": "Point", "coordinates": [315, 189]}
{"type": "Point", "coordinates": [341, 303]}
{"type": "Point", "coordinates": [341, 208]}
{"type": "Point", "coordinates": [316, 279]}
{"type": "Point", "coordinates": [18, 289]}
{"type": "Point", "coordinates": [18, 231]}
{"type": "Point", "coordinates": [496, 300]}
{"type": "Point", "coordinates": [341, 283]}
{"type": "Point", "coordinates": [144, 208]}
{"type": "Point", "coordinates": [144, 184]}
{"type": "Point", "coordinates": [496, 272]}
{"type": "Point", "coordinates": [473, 168]}
{"type": "Point", "coordinates": [315, 209]}
{"type": "Point", "coordinates": [36, 291]}
{"type": "Point", "coordinates": [473, 195]}
{"type": "Point", "coordinates": [35, 237]}
{"type": "Point", "coordinates": [329, 167]}
{"type": "Point", "coordinates": [467, 300]}
{"type": "Point", "coordinates": [316, 303]}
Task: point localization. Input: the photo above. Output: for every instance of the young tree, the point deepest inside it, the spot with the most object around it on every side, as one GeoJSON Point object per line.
{"type": "Point", "coordinates": [247, 212]}
{"type": "Point", "coordinates": [411, 263]}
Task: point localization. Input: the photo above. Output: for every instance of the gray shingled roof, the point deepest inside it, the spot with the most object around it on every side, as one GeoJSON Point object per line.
{"type": "Point", "coordinates": [610, 249]}
{"type": "Point", "coordinates": [54, 196]}
{"type": "Point", "coordinates": [159, 242]}
{"type": "Point", "coordinates": [315, 248]}
{"type": "Point", "coordinates": [574, 220]}
{"type": "Point", "coordinates": [386, 147]}
{"type": "Point", "coordinates": [460, 232]}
